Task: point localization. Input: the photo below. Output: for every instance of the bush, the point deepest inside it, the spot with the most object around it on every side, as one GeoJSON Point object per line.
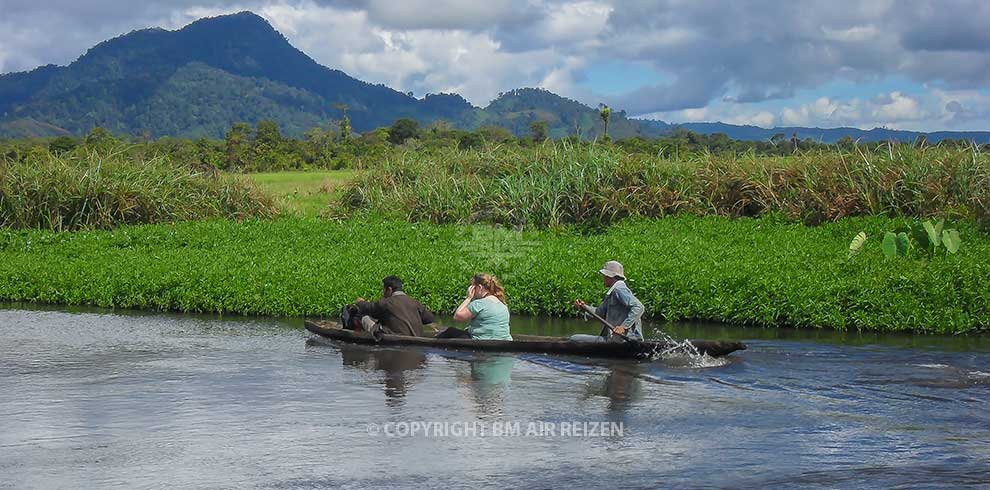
{"type": "Point", "coordinates": [83, 190]}
{"type": "Point", "coordinates": [596, 185]}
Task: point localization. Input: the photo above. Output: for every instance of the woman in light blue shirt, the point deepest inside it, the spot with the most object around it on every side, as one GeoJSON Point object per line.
{"type": "Point", "coordinates": [485, 308]}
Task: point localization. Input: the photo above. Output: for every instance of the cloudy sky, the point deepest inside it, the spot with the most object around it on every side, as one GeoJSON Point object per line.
{"type": "Point", "coordinates": [920, 65]}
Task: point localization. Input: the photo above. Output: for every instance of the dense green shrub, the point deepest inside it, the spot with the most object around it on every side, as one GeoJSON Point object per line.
{"type": "Point", "coordinates": [82, 190]}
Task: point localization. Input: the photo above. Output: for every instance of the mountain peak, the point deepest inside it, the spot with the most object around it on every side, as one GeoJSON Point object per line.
{"type": "Point", "coordinates": [244, 23]}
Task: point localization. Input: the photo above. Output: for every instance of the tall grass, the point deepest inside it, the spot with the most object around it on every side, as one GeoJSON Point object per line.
{"type": "Point", "coordinates": [104, 189]}
{"type": "Point", "coordinates": [556, 184]}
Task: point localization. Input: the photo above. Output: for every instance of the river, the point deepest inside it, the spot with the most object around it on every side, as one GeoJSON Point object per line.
{"type": "Point", "coordinates": [99, 399]}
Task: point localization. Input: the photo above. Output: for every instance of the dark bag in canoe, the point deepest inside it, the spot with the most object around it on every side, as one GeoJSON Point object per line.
{"type": "Point", "coordinates": [350, 318]}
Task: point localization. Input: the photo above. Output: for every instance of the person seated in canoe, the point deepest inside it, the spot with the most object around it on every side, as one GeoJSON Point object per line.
{"type": "Point", "coordinates": [620, 308]}
{"type": "Point", "coordinates": [484, 307]}
{"type": "Point", "coordinates": [396, 312]}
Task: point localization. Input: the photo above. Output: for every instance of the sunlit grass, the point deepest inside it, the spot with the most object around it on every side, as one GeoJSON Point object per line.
{"type": "Point", "coordinates": [558, 184]}
{"type": "Point", "coordinates": [302, 193]}
{"type": "Point", "coordinates": [108, 188]}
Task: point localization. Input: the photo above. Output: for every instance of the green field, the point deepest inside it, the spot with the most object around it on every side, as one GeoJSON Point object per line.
{"type": "Point", "coordinates": [302, 193]}
{"type": "Point", "coordinates": [754, 271]}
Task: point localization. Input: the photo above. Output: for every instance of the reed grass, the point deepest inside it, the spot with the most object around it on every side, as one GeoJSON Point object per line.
{"type": "Point", "coordinates": [105, 189]}
{"type": "Point", "coordinates": [593, 185]}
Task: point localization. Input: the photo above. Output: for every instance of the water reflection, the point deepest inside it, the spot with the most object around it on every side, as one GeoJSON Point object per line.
{"type": "Point", "coordinates": [396, 364]}
{"type": "Point", "coordinates": [622, 386]}
{"type": "Point", "coordinates": [489, 382]}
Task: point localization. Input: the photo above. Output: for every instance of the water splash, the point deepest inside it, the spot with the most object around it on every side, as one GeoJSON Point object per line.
{"type": "Point", "coordinates": [673, 347]}
{"type": "Point", "coordinates": [682, 353]}
{"type": "Point", "coordinates": [702, 361]}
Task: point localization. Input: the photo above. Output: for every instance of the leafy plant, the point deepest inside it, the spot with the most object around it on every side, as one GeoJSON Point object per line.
{"type": "Point", "coordinates": [857, 243]}
{"type": "Point", "coordinates": [682, 268]}
{"type": "Point", "coordinates": [927, 237]}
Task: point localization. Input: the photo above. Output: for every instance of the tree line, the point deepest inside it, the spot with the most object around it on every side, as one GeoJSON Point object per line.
{"type": "Point", "coordinates": [262, 147]}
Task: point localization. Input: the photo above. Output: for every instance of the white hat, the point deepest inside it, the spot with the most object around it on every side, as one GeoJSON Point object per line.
{"type": "Point", "coordinates": [613, 269]}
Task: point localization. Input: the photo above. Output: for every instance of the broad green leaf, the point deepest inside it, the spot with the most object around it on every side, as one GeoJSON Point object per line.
{"type": "Point", "coordinates": [920, 237]}
{"type": "Point", "coordinates": [933, 237]}
{"type": "Point", "coordinates": [857, 243]}
{"type": "Point", "coordinates": [903, 244]}
{"type": "Point", "coordinates": [938, 228]}
{"type": "Point", "coordinates": [889, 245]}
{"type": "Point", "coordinates": [951, 240]}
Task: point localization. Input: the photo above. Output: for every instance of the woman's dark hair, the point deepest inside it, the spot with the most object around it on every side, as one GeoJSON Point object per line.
{"type": "Point", "coordinates": [392, 282]}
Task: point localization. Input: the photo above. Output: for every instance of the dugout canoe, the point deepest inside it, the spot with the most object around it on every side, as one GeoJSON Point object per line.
{"type": "Point", "coordinates": [522, 343]}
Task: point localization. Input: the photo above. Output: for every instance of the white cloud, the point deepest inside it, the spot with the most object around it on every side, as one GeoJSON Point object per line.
{"type": "Point", "coordinates": [962, 109]}
{"type": "Point", "coordinates": [763, 119]}
{"type": "Point", "coordinates": [855, 34]}
{"type": "Point", "coordinates": [727, 113]}
{"type": "Point", "coordinates": [934, 110]}
{"type": "Point", "coordinates": [897, 108]}
{"type": "Point", "coordinates": [577, 22]}
{"type": "Point", "coordinates": [440, 14]}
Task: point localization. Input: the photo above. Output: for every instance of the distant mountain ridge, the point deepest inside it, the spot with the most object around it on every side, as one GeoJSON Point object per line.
{"type": "Point", "coordinates": [830, 135]}
{"type": "Point", "coordinates": [201, 79]}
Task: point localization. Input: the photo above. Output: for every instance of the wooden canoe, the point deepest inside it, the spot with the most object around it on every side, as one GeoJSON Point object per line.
{"type": "Point", "coordinates": [522, 343]}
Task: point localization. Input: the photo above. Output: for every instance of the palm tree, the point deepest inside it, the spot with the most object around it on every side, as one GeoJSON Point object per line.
{"type": "Point", "coordinates": [605, 113]}
{"type": "Point", "coordinates": [345, 122]}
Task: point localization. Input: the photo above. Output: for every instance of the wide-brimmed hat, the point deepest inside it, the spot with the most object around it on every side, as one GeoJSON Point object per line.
{"type": "Point", "coordinates": [613, 269]}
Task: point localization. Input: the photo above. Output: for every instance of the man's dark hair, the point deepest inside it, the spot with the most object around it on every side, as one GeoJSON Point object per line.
{"type": "Point", "coordinates": [392, 282]}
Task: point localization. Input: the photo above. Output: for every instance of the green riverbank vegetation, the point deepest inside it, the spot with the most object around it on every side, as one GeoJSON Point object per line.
{"type": "Point", "coordinates": [735, 232]}
{"type": "Point", "coordinates": [105, 189]}
{"type": "Point", "coordinates": [557, 184]}
{"type": "Point", "coordinates": [766, 271]}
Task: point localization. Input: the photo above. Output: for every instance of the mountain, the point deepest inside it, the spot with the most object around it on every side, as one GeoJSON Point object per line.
{"type": "Point", "coordinates": [198, 81]}
{"type": "Point", "coordinates": [517, 109]}
{"type": "Point", "coordinates": [828, 135]}
{"type": "Point", "coordinates": [201, 79]}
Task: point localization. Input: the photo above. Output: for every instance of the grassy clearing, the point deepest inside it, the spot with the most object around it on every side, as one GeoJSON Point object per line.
{"type": "Point", "coordinates": [104, 189]}
{"type": "Point", "coordinates": [755, 271]}
{"type": "Point", "coordinates": [596, 185]}
{"type": "Point", "coordinates": [302, 193]}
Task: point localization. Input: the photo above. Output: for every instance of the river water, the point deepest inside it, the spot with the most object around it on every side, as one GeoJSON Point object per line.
{"type": "Point", "coordinates": [96, 399]}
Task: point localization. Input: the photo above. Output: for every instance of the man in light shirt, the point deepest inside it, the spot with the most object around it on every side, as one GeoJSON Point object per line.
{"type": "Point", "coordinates": [620, 308]}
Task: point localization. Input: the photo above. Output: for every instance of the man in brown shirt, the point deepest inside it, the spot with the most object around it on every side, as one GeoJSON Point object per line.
{"type": "Point", "coordinates": [396, 312]}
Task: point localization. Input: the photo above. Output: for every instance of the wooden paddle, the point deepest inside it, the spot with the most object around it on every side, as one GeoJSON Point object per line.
{"type": "Point", "coordinates": [591, 311]}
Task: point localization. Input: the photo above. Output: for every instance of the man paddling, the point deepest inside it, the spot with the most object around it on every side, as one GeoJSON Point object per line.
{"type": "Point", "coordinates": [396, 312]}
{"type": "Point", "coordinates": [620, 308]}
